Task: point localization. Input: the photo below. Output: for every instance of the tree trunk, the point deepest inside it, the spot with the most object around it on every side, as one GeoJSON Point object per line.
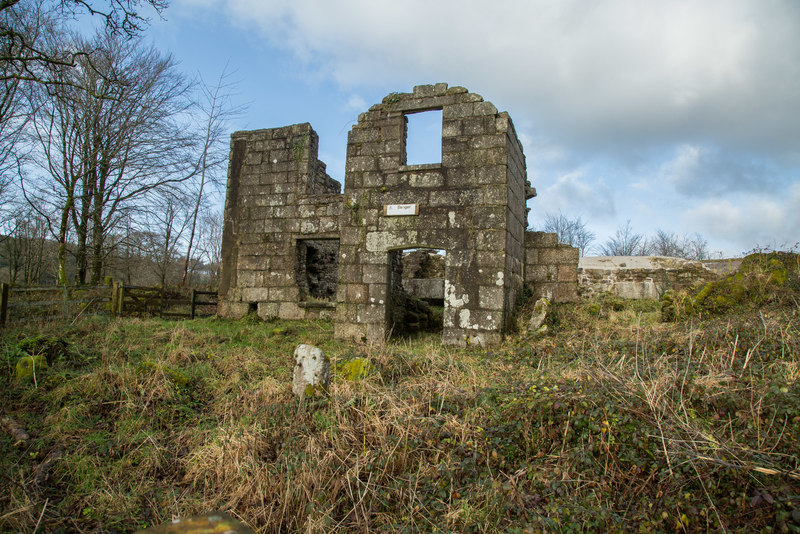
{"type": "Point", "coordinates": [62, 241]}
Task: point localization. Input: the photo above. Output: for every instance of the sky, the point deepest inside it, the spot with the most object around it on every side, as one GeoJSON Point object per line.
{"type": "Point", "coordinates": [681, 115]}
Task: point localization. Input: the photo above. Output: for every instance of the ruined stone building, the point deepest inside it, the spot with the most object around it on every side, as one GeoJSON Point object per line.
{"type": "Point", "coordinates": [295, 246]}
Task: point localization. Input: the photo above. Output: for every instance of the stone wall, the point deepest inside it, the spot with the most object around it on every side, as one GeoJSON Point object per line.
{"type": "Point", "coordinates": [551, 268]}
{"type": "Point", "coordinates": [639, 277]}
{"type": "Point", "coordinates": [278, 194]}
{"type": "Point", "coordinates": [285, 218]}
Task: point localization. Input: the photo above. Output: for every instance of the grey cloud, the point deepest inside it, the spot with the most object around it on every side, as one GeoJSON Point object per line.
{"type": "Point", "coordinates": [698, 170]}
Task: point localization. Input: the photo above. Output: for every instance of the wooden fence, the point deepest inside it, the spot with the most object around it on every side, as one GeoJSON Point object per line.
{"type": "Point", "coordinates": [31, 303]}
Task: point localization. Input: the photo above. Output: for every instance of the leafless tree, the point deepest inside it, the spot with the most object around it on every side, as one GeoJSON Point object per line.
{"type": "Point", "coordinates": [209, 247]}
{"type": "Point", "coordinates": [669, 244]}
{"type": "Point", "coordinates": [109, 139]}
{"type": "Point", "coordinates": [21, 21]}
{"type": "Point", "coordinates": [573, 232]}
{"type": "Point", "coordinates": [626, 242]}
{"type": "Point", "coordinates": [24, 248]}
{"type": "Point", "coordinates": [166, 226]}
{"type": "Point", "coordinates": [216, 110]}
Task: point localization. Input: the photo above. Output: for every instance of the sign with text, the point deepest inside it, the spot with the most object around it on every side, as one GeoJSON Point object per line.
{"type": "Point", "coordinates": [396, 210]}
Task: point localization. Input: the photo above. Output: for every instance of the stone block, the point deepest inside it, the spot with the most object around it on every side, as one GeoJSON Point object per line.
{"type": "Point", "coordinates": [568, 272]}
{"type": "Point", "coordinates": [491, 297]}
{"type": "Point", "coordinates": [541, 273]}
{"type": "Point", "coordinates": [373, 179]}
{"type": "Point", "coordinates": [374, 274]}
{"type": "Point", "coordinates": [490, 240]}
{"type": "Point", "coordinates": [565, 293]}
{"type": "Point", "coordinates": [485, 108]}
{"type": "Point", "coordinates": [284, 294]}
{"type": "Point", "coordinates": [457, 111]}
{"type": "Point", "coordinates": [424, 91]}
{"type": "Point", "coordinates": [558, 255]}
{"type": "Point", "coordinates": [232, 310]}
{"type": "Point", "coordinates": [309, 226]}
{"type": "Point", "coordinates": [428, 179]}
{"type": "Point", "coordinates": [495, 195]}
{"type": "Point", "coordinates": [376, 333]}
{"type": "Point", "coordinates": [349, 330]}
{"type": "Point", "coordinates": [377, 293]}
{"type": "Point", "coordinates": [268, 310]}
{"type": "Point", "coordinates": [362, 164]}
{"type": "Point", "coordinates": [451, 128]}
{"type": "Point", "coordinates": [255, 294]}
{"type": "Point", "coordinates": [356, 293]}
{"type": "Point", "coordinates": [290, 310]}
{"type": "Point", "coordinates": [312, 372]}
{"type": "Point", "coordinates": [372, 313]}
{"type": "Point", "coordinates": [540, 239]}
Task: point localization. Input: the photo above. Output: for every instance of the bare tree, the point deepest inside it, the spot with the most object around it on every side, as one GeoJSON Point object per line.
{"type": "Point", "coordinates": [109, 139]}
{"type": "Point", "coordinates": [573, 232]}
{"type": "Point", "coordinates": [625, 242]}
{"type": "Point", "coordinates": [209, 247]}
{"type": "Point", "coordinates": [217, 111]}
{"type": "Point", "coordinates": [669, 244]}
{"type": "Point", "coordinates": [24, 248]}
{"type": "Point", "coordinates": [166, 226]}
{"type": "Point", "coordinates": [22, 54]}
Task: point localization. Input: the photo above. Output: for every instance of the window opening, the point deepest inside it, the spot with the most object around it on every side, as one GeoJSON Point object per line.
{"type": "Point", "coordinates": [424, 137]}
{"type": "Point", "coordinates": [317, 269]}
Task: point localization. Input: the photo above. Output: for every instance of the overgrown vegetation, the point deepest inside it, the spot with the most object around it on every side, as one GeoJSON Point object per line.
{"type": "Point", "coordinates": [764, 278]}
{"type": "Point", "coordinates": [614, 421]}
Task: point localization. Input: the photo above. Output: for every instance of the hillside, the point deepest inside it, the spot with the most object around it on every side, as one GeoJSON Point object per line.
{"type": "Point", "coordinates": [615, 420]}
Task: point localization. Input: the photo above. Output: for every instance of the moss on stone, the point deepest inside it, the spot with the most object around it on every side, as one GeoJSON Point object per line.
{"type": "Point", "coordinates": [355, 369]}
{"type": "Point", "coordinates": [763, 278]}
{"type": "Point", "coordinates": [28, 365]}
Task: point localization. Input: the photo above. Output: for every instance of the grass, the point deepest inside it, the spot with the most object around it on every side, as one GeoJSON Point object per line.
{"type": "Point", "coordinates": [614, 421]}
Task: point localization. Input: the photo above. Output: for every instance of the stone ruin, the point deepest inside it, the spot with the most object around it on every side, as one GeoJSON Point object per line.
{"type": "Point", "coordinates": [295, 247]}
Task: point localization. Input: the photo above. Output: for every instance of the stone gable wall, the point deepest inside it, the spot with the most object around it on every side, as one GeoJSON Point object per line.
{"type": "Point", "coordinates": [463, 208]}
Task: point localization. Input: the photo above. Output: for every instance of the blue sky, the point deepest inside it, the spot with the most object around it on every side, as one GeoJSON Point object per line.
{"type": "Point", "coordinates": [680, 115]}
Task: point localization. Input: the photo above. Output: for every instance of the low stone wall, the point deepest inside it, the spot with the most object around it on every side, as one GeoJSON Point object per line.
{"type": "Point", "coordinates": [550, 268]}
{"type": "Point", "coordinates": [425, 288]}
{"type": "Point", "coordinates": [638, 277]}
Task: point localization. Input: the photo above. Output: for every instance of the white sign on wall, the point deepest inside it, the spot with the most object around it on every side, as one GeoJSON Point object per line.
{"type": "Point", "coordinates": [396, 210]}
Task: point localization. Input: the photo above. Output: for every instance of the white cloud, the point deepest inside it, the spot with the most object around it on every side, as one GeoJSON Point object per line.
{"type": "Point", "coordinates": [692, 103]}
{"type": "Point", "coordinates": [757, 220]}
{"type": "Point", "coordinates": [356, 102]}
{"type": "Point", "coordinates": [571, 193]}
{"type": "Point", "coordinates": [636, 71]}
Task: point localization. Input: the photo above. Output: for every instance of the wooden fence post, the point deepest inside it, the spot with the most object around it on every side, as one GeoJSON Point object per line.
{"type": "Point", "coordinates": [194, 300]}
{"type": "Point", "coordinates": [3, 303]}
{"type": "Point", "coordinates": [120, 299]}
{"type": "Point", "coordinates": [114, 297]}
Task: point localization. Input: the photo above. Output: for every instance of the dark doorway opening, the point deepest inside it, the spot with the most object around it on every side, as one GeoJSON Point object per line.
{"type": "Point", "coordinates": [416, 291]}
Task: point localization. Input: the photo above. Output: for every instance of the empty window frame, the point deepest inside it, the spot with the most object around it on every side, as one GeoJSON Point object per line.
{"type": "Point", "coordinates": [423, 142]}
